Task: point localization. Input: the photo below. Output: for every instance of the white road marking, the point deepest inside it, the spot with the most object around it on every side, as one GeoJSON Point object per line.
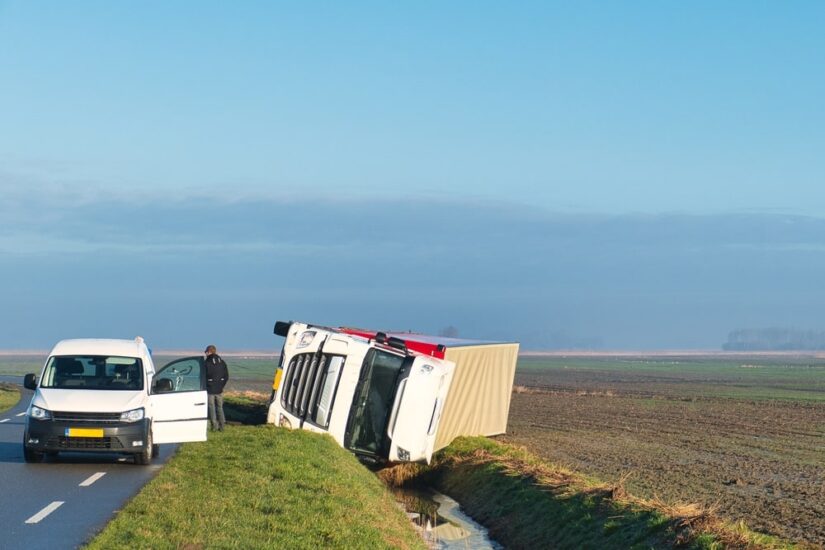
{"type": "Point", "coordinates": [21, 414]}
{"type": "Point", "coordinates": [4, 420]}
{"type": "Point", "coordinates": [45, 512]}
{"type": "Point", "coordinates": [92, 479]}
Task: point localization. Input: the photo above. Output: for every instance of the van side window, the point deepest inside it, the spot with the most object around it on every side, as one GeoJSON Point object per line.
{"type": "Point", "coordinates": [310, 386]}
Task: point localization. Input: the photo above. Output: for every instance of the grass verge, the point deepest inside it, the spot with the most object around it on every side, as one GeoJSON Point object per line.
{"type": "Point", "coordinates": [527, 503]}
{"type": "Point", "coordinates": [261, 487]}
{"type": "Point", "coordinates": [9, 396]}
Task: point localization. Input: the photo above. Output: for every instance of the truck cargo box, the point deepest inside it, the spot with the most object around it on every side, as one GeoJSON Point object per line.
{"type": "Point", "coordinates": [478, 402]}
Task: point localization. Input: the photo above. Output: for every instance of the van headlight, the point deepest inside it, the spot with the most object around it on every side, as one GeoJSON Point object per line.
{"type": "Point", "coordinates": [39, 414]}
{"type": "Point", "coordinates": [132, 416]}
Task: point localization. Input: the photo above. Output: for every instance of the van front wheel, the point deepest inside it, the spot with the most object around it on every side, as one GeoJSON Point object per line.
{"type": "Point", "coordinates": [145, 456]}
{"type": "Point", "coordinates": [30, 455]}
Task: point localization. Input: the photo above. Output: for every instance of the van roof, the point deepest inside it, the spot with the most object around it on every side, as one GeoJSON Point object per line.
{"type": "Point", "coordinates": [100, 346]}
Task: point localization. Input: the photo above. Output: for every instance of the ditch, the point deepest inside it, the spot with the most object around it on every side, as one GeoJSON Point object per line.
{"type": "Point", "coordinates": [441, 522]}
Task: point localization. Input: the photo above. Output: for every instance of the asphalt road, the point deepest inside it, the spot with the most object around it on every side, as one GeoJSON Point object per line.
{"type": "Point", "coordinates": [89, 487]}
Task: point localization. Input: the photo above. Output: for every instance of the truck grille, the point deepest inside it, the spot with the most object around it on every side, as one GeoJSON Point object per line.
{"type": "Point", "coordinates": [92, 417]}
{"type": "Point", "coordinates": [303, 381]}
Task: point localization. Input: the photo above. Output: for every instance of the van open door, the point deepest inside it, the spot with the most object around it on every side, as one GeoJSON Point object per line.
{"type": "Point", "coordinates": [178, 402]}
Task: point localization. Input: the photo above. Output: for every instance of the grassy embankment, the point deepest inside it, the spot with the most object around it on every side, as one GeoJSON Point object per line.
{"type": "Point", "coordinates": [528, 503]}
{"type": "Point", "coordinates": [261, 487]}
{"type": "Point", "coordinates": [9, 396]}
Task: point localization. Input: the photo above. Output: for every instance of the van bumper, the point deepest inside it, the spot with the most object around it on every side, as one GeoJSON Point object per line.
{"type": "Point", "coordinates": [54, 436]}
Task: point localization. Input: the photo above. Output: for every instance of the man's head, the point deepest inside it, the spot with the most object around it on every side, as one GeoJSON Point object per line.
{"type": "Point", "coordinates": [210, 349]}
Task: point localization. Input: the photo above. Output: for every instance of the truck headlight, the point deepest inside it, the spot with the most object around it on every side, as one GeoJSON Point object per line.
{"type": "Point", "coordinates": [39, 414]}
{"type": "Point", "coordinates": [284, 422]}
{"type": "Point", "coordinates": [306, 339]}
{"type": "Point", "coordinates": [132, 416]}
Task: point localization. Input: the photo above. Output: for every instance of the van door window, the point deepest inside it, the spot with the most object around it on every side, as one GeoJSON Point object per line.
{"type": "Point", "coordinates": [183, 375]}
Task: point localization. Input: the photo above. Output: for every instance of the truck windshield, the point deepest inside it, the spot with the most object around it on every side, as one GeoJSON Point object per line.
{"type": "Point", "coordinates": [93, 372]}
{"type": "Point", "coordinates": [372, 403]}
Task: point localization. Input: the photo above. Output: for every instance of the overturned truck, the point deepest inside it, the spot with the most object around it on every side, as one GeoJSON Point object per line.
{"type": "Point", "coordinates": [390, 397]}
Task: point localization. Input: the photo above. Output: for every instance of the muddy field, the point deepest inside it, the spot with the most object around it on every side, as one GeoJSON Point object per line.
{"type": "Point", "coordinates": [760, 456]}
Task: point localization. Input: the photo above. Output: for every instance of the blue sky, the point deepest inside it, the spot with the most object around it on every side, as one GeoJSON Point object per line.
{"type": "Point", "coordinates": [613, 175]}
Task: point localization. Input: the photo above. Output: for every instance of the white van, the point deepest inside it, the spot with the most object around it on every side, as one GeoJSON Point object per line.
{"type": "Point", "coordinates": [98, 395]}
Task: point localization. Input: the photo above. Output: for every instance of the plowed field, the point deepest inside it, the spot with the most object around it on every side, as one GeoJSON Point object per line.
{"type": "Point", "coordinates": [747, 434]}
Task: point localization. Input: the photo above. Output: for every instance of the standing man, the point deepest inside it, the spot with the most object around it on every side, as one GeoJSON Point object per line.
{"type": "Point", "coordinates": [216, 376]}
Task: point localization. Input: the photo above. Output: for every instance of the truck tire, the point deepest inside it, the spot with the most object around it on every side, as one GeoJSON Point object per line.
{"type": "Point", "coordinates": [144, 457]}
{"type": "Point", "coordinates": [155, 450]}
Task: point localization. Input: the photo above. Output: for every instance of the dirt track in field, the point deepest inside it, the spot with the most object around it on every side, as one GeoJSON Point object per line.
{"type": "Point", "coordinates": [761, 461]}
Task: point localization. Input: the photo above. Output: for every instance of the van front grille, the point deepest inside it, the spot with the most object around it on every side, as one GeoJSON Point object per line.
{"type": "Point", "coordinates": [90, 417]}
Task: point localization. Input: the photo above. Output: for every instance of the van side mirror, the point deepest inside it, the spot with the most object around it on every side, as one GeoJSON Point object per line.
{"type": "Point", "coordinates": [162, 385]}
{"type": "Point", "coordinates": [30, 381]}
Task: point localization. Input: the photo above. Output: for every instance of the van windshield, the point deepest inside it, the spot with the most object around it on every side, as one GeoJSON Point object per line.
{"type": "Point", "coordinates": [372, 403]}
{"type": "Point", "coordinates": [93, 372]}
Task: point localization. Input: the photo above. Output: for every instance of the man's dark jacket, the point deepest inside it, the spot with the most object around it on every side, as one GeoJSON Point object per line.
{"type": "Point", "coordinates": [216, 374]}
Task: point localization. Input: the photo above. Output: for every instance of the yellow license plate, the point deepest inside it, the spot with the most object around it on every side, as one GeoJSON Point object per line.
{"type": "Point", "coordinates": [84, 432]}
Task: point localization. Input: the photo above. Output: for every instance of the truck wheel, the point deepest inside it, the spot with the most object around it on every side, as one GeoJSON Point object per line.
{"type": "Point", "coordinates": [31, 456]}
{"type": "Point", "coordinates": [145, 456]}
{"type": "Point", "coordinates": [155, 450]}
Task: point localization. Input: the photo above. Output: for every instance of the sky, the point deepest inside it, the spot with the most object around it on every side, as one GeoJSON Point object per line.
{"type": "Point", "coordinates": [582, 175]}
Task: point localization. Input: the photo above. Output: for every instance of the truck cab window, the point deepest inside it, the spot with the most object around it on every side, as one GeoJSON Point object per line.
{"type": "Point", "coordinates": [372, 403]}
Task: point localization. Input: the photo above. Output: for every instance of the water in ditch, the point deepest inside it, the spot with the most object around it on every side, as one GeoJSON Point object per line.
{"type": "Point", "coordinates": [441, 522]}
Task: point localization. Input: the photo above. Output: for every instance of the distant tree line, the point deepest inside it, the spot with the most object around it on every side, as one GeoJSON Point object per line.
{"type": "Point", "coordinates": [774, 339]}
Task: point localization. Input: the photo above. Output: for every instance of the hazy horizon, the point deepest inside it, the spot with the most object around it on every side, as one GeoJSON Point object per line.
{"type": "Point", "coordinates": [609, 176]}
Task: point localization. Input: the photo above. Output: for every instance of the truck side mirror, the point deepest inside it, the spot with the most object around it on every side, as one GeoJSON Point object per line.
{"type": "Point", "coordinates": [30, 381]}
{"type": "Point", "coordinates": [282, 328]}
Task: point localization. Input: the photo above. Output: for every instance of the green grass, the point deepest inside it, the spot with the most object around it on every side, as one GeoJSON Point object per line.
{"type": "Point", "coordinates": [9, 396]}
{"type": "Point", "coordinates": [523, 515]}
{"type": "Point", "coordinates": [799, 378]}
{"type": "Point", "coordinates": [528, 503]}
{"type": "Point", "coordinates": [20, 365]}
{"type": "Point", "coordinates": [261, 487]}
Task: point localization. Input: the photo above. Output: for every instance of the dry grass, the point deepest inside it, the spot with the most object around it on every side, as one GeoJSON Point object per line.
{"type": "Point", "coordinates": [545, 391]}
{"type": "Point", "coordinates": [250, 395]}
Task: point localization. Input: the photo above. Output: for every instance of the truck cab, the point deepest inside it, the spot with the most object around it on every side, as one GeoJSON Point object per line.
{"type": "Point", "coordinates": [105, 396]}
{"type": "Point", "coordinates": [374, 396]}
